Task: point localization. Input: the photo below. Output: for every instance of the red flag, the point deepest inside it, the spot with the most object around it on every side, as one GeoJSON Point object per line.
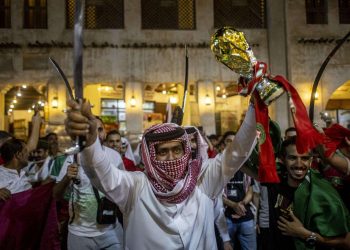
{"type": "Point", "coordinates": [335, 138]}
{"type": "Point", "coordinates": [29, 221]}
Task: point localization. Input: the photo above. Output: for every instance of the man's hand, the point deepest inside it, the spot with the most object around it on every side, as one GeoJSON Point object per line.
{"type": "Point", "coordinates": [5, 194]}
{"type": "Point", "coordinates": [240, 209]}
{"type": "Point", "coordinates": [292, 228]}
{"type": "Point", "coordinates": [72, 171]}
{"type": "Point", "coordinates": [81, 122]}
{"type": "Point", "coordinates": [227, 245]}
{"type": "Point", "coordinates": [36, 118]}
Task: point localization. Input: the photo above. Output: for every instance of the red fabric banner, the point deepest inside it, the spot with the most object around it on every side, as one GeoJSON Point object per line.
{"type": "Point", "coordinates": [29, 221]}
{"type": "Point", "coordinates": [267, 164]}
{"type": "Point", "coordinates": [307, 136]}
{"type": "Point", "coordinates": [335, 138]}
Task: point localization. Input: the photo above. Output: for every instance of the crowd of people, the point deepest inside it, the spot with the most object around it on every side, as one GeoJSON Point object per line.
{"type": "Point", "coordinates": [181, 189]}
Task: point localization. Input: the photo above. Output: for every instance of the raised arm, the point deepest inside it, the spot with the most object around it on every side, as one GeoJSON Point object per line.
{"type": "Point", "coordinates": [35, 132]}
{"type": "Point", "coordinates": [342, 164]}
{"type": "Point", "coordinates": [218, 171]}
{"type": "Point", "coordinates": [118, 185]}
{"type": "Point", "coordinates": [242, 146]}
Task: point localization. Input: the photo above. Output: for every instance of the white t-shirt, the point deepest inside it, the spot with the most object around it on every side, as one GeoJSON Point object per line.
{"type": "Point", "coordinates": [14, 182]}
{"type": "Point", "coordinates": [35, 173]}
{"type": "Point", "coordinates": [83, 199]}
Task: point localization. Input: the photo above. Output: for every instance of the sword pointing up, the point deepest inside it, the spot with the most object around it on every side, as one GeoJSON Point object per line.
{"type": "Point", "coordinates": [60, 71]}
{"type": "Point", "coordinates": [78, 72]}
{"type": "Point", "coordinates": [179, 112]}
{"type": "Point", "coordinates": [319, 74]}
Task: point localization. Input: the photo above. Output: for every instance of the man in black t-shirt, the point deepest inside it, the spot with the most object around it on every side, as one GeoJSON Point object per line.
{"type": "Point", "coordinates": [305, 210]}
{"type": "Point", "coordinates": [239, 217]}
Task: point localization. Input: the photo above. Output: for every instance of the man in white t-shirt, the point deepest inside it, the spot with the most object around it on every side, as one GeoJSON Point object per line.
{"type": "Point", "coordinates": [170, 206]}
{"type": "Point", "coordinates": [14, 157]}
{"type": "Point", "coordinates": [84, 231]}
{"type": "Point", "coordinates": [13, 179]}
{"type": "Point", "coordinates": [40, 167]}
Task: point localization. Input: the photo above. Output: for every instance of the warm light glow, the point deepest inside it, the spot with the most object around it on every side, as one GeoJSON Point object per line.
{"type": "Point", "coordinates": [316, 95]}
{"type": "Point", "coordinates": [224, 96]}
{"type": "Point", "coordinates": [133, 101]}
{"type": "Point", "coordinates": [10, 110]}
{"type": "Point", "coordinates": [14, 100]}
{"type": "Point", "coordinates": [173, 99]}
{"type": "Point", "coordinates": [24, 86]}
{"type": "Point", "coordinates": [105, 88]}
{"type": "Point", "coordinates": [164, 92]}
{"type": "Point", "coordinates": [33, 106]}
{"type": "Point", "coordinates": [54, 103]}
{"type": "Point", "coordinates": [12, 106]}
{"type": "Point", "coordinates": [218, 88]}
{"type": "Point", "coordinates": [29, 110]}
{"type": "Point", "coordinates": [19, 93]}
{"type": "Point", "coordinates": [39, 102]}
{"type": "Point", "coordinates": [207, 100]}
{"type": "Point", "coordinates": [42, 104]}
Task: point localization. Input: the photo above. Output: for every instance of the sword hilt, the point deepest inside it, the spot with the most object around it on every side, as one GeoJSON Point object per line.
{"type": "Point", "coordinates": [177, 116]}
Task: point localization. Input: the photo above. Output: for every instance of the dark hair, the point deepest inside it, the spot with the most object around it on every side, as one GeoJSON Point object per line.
{"type": "Point", "coordinates": [227, 134]}
{"type": "Point", "coordinates": [42, 144]}
{"type": "Point", "coordinates": [5, 135]}
{"type": "Point", "coordinates": [113, 132]}
{"type": "Point", "coordinates": [213, 137]}
{"type": "Point", "coordinates": [290, 129]}
{"type": "Point", "coordinates": [290, 141]}
{"type": "Point", "coordinates": [10, 148]}
{"type": "Point", "coordinates": [49, 134]}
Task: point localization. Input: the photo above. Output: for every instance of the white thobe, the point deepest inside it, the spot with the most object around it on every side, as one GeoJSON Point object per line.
{"type": "Point", "coordinates": [152, 224]}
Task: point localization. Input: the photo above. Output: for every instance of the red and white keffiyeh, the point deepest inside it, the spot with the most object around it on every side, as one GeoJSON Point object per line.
{"type": "Point", "coordinates": [172, 180]}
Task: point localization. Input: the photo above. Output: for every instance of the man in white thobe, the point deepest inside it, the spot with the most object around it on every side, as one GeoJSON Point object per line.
{"type": "Point", "coordinates": [170, 205]}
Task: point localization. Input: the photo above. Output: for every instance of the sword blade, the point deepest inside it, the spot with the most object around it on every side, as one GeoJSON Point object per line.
{"type": "Point", "coordinates": [78, 48]}
{"type": "Point", "coordinates": [186, 81]}
{"type": "Point", "coordinates": [78, 60]}
{"type": "Point", "coordinates": [63, 76]}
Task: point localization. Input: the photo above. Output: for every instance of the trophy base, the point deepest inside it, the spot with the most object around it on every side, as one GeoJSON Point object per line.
{"type": "Point", "coordinates": [269, 90]}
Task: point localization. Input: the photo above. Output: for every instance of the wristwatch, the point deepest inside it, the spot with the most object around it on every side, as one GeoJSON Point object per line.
{"type": "Point", "coordinates": [311, 240]}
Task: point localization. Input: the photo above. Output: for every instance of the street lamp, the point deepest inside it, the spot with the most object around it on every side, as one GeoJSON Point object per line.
{"type": "Point", "coordinates": [133, 101]}
{"type": "Point", "coordinates": [207, 100]}
{"type": "Point", "coordinates": [54, 102]}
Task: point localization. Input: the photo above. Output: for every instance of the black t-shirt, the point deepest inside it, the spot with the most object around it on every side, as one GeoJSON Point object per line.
{"type": "Point", "coordinates": [281, 197]}
{"type": "Point", "coordinates": [280, 203]}
{"type": "Point", "coordinates": [236, 192]}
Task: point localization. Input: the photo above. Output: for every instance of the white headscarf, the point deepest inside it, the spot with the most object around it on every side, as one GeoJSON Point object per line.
{"type": "Point", "coordinates": [128, 154]}
{"type": "Point", "coordinates": [137, 153]}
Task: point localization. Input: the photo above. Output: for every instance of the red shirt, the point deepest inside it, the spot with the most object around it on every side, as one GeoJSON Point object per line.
{"type": "Point", "coordinates": [211, 153]}
{"type": "Point", "coordinates": [129, 165]}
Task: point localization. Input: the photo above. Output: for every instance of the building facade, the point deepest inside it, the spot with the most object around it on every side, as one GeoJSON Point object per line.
{"type": "Point", "coordinates": [134, 59]}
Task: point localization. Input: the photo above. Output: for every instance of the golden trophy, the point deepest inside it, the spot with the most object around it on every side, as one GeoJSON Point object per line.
{"type": "Point", "coordinates": [231, 48]}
